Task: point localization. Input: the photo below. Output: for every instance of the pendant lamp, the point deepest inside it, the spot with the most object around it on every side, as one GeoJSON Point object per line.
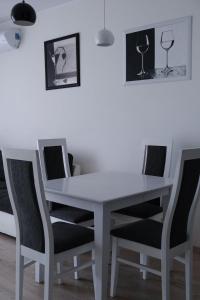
{"type": "Point", "coordinates": [104, 37]}
{"type": "Point", "coordinates": [23, 14]}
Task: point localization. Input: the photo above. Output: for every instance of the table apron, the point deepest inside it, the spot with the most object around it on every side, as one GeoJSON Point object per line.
{"type": "Point", "coordinates": [66, 200]}
{"type": "Point", "coordinates": [137, 199]}
{"type": "Point", "coordinates": [111, 205]}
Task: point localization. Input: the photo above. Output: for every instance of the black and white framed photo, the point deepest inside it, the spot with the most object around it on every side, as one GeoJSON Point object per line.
{"type": "Point", "coordinates": [159, 52]}
{"type": "Point", "coordinates": [62, 62]}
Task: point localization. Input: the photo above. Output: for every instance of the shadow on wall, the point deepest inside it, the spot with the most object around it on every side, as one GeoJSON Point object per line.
{"type": "Point", "coordinates": [88, 161]}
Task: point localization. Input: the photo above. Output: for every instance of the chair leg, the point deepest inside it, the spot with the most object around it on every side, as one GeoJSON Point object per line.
{"type": "Point", "coordinates": [59, 271]}
{"type": "Point", "coordinates": [188, 274]}
{"type": "Point", "coordinates": [93, 272]}
{"type": "Point", "coordinates": [19, 276]}
{"type": "Point", "coordinates": [39, 273]}
{"type": "Point", "coordinates": [144, 261]}
{"type": "Point", "coordinates": [165, 270]}
{"type": "Point", "coordinates": [48, 280]}
{"type": "Point", "coordinates": [114, 268]}
{"type": "Point", "coordinates": [76, 264]}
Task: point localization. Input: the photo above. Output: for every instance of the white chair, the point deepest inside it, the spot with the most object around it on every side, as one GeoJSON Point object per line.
{"type": "Point", "coordinates": [38, 240]}
{"type": "Point", "coordinates": [156, 160]}
{"type": "Point", "coordinates": [168, 240]}
{"type": "Point", "coordinates": [54, 165]}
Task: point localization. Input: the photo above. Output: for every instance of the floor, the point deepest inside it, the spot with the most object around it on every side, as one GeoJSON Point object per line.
{"type": "Point", "coordinates": [130, 286]}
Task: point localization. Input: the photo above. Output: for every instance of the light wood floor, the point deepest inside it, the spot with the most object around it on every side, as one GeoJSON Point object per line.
{"type": "Point", "coordinates": [130, 286]}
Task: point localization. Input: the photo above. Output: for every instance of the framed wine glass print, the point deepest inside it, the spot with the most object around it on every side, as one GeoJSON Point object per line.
{"type": "Point", "coordinates": [62, 62]}
{"type": "Point", "coordinates": [159, 52]}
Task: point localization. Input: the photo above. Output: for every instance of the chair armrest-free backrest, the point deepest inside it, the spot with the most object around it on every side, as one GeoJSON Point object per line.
{"type": "Point", "coordinates": [179, 219]}
{"type": "Point", "coordinates": [26, 193]}
{"type": "Point", "coordinates": [157, 158]}
{"type": "Point", "coordinates": [53, 158]}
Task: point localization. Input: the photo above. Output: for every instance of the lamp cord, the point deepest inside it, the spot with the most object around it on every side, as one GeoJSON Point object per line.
{"type": "Point", "coordinates": [104, 14]}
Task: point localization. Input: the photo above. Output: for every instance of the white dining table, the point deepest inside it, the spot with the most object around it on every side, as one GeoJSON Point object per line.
{"type": "Point", "coordinates": [103, 193]}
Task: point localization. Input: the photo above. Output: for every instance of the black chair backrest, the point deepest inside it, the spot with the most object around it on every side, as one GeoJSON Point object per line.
{"type": "Point", "coordinates": [70, 158]}
{"type": "Point", "coordinates": [155, 160]}
{"type": "Point", "coordinates": [54, 163]}
{"type": "Point", "coordinates": [189, 182]}
{"type": "Point", "coordinates": [26, 204]}
{"type": "Point", "coordinates": [2, 175]}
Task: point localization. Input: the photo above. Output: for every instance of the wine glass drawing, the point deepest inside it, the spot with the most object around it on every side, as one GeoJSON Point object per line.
{"type": "Point", "coordinates": [142, 46]}
{"type": "Point", "coordinates": [167, 42]}
{"type": "Point", "coordinates": [59, 59]}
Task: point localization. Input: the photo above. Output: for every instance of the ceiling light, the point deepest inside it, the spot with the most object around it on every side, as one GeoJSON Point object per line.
{"type": "Point", "coordinates": [104, 37]}
{"type": "Point", "coordinates": [23, 14]}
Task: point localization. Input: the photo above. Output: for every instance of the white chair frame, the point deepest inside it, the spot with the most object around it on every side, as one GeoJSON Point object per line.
{"type": "Point", "coordinates": [121, 219]}
{"type": "Point", "coordinates": [26, 256]}
{"type": "Point", "coordinates": [166, 254]}
{"type": "Point", "coordinates": [41, 144]}
{"type": "Point", "coordinates": [168, 144]}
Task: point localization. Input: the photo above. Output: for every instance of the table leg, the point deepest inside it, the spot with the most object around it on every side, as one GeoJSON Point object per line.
{"type": "Point", "coordinates": [102, 250]}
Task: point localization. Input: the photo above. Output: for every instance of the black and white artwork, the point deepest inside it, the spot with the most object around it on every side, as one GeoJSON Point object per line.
{"type": "Point", "coordinates": [159, 52]}
{"type": "Point", "coordinates": [62, 62]}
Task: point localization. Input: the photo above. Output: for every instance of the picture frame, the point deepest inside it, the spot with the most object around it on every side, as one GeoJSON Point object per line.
{"type": "Point", "coordinates": [62, 62]}
{"type": "Point", "coordinates": [159, 52]}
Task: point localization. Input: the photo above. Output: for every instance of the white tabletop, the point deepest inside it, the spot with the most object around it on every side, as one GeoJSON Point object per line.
{"type": "Point", "coordinates": [106, 186]}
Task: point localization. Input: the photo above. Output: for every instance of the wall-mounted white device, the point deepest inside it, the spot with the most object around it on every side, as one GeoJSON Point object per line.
{"type": "Point", "coordinates": [10, 39]}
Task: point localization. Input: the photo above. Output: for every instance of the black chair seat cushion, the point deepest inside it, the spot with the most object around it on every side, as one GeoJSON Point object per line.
{"type": "Point", "coordinates": [147, 232]}
{"type": "Point", "coordinates": [155, 201]}
{"type": "Point", "coordinates": [68, 236]}
{"type": "Point", "coordinates": [71, 214]}
{"type": "Point", "coordinates": [141, 211]}
{"type": "Point", "coordinates": [5, 205]}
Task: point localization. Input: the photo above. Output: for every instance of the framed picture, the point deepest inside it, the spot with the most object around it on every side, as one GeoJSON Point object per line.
{"type": "Point", "coordinates": [62, 62]}
{"type": "Point", "coordinates": [159, 52]}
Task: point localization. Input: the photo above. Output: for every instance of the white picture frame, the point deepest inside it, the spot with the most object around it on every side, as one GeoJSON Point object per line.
{"type": "Point", "coordinates": [155, 41]}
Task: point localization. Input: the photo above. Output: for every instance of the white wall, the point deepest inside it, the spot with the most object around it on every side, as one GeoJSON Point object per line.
{"type": "Point", "coordinates": [103, 120]}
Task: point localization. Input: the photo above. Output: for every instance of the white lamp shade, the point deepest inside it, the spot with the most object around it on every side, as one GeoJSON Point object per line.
{"type": "Point", "coordinates": [104, 38]}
